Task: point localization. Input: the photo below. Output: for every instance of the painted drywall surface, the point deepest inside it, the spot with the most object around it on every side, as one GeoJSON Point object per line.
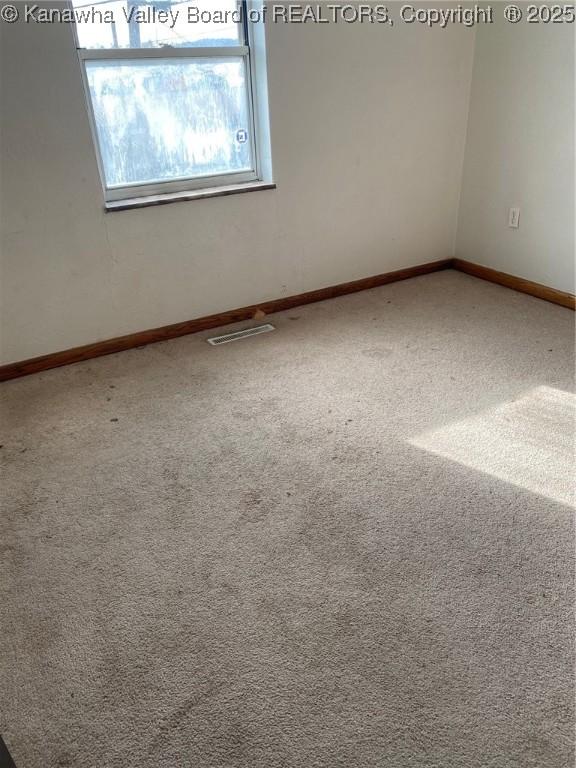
{"type": "Point", "coordinates": [368, 128]}
{"type": "Point", "coordinates": [520, 153]}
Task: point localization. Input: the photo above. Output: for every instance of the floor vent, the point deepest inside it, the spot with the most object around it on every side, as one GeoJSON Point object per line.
{"type": "Point", "coordinates": [215, 340]}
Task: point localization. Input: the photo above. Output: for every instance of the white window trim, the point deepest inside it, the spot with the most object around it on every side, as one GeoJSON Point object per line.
{"type": "Point", "coordinates": [254, 56]}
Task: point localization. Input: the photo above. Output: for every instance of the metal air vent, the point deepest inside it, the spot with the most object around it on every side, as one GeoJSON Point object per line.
{"type": "Point", "coordinates": [237, 335]}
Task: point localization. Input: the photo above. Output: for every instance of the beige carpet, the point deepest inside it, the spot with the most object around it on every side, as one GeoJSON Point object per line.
{"type": "Point", "coordinates": [347, 543]}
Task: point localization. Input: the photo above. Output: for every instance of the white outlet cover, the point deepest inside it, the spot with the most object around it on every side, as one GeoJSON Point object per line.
{"type": "Point", "coordinates": [514, 218]}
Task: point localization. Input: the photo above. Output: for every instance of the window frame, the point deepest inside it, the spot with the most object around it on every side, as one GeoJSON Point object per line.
{"type": "Point", "coordinates": [192, 184]}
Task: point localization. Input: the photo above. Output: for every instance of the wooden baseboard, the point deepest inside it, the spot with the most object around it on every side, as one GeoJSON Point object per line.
{"type": "Point", "coordinates": [108, 347]}
{"type": "Point", "coordinates": [516, 283]}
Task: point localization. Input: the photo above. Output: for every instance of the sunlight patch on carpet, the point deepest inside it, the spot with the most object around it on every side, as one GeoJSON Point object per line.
{"type": "Point", "coordinates": [528, 442]}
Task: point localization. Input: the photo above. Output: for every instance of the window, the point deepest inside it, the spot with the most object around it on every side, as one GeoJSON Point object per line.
{"type": "Point", "coordinates": [173, 94]}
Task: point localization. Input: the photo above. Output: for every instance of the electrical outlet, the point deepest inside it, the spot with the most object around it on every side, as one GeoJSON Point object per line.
{"type": "Point", "coordinates": [514, 218]}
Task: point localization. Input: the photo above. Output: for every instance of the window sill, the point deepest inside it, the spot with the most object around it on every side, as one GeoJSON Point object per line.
{"type": "Point", "coordinates": [180, 197]}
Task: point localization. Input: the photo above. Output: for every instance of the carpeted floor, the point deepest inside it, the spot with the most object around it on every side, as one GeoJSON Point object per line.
{"type": "Point", "coordinates": [345, 544]}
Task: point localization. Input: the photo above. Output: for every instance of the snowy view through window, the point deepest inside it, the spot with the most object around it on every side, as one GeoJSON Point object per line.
{"type": "Point", "coordinates": [164, 119]}
{"type": "Point", "coordinates": [170, 118]}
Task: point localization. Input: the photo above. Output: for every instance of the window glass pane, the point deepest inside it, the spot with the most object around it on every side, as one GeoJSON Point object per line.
{"type": "Point", "coordinates": [169, 119]}
{"type": "Point", "coordinates": [154, 23]}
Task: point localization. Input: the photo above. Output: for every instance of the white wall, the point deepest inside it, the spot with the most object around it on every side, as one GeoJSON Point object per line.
{"type": "Point", "coordinates": [368, 126]}
{"type": "Point", "coordinates": [520, 153]}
